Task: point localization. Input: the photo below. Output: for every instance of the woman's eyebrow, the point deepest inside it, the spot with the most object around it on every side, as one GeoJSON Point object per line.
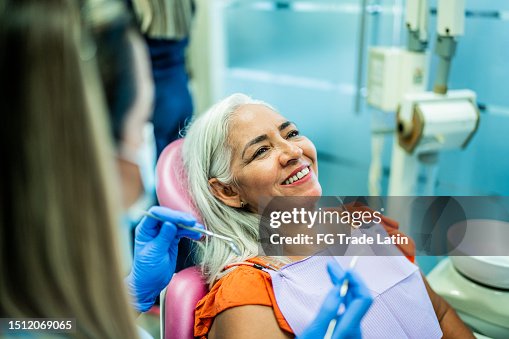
{"type": "Point", "coordinates": [264, 137]}
{"type": "Point", "coordinates": [285, 125]}
{"type": "Point", "coordinates": [256, 140]}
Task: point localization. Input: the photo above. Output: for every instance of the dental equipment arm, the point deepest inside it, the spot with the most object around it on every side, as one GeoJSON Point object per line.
{"type": "Point", "coordinates": [155, 254]}
{"type": "Point", "coordinates": [430, 122]}
{"type": "Point", "coordinates": [417, 25]}
{"type": "Point", "coordinates": [450, 24]}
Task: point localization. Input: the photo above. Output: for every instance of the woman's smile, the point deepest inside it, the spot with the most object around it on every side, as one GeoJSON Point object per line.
{"type": "Point", "coordinates": [299, 176]}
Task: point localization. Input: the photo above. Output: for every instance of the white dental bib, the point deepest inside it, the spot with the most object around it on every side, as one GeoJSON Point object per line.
{"type": "Point", "coordinates": [401, 307]}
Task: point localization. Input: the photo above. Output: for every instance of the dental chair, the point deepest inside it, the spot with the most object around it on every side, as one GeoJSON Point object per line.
{"type": "Point", "coordinates": [187, 287]}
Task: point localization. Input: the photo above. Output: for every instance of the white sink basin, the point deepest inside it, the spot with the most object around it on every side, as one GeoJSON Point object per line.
{"type": "Point", "coordinates": [491, 271]}
{"type": "Point", "coordinates": [484, 246]}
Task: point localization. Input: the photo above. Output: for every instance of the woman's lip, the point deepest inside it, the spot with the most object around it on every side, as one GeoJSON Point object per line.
{"type": "Point", "coordinates": [301, 181]}
{"type": "Point", "coordinates": [295, 172]}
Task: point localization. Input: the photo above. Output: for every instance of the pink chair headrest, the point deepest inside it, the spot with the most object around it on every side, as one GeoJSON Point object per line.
{"type": "Point", "coordinates": [186, 288]}
{"type": "Point", "coordinates": [171, 188]}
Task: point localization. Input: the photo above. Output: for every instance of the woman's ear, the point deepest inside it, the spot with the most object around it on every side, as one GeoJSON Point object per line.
{"type": "Point", "coordinates": [226, 193]}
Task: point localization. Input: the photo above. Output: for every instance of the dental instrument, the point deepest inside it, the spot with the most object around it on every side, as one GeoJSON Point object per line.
{"type": "Point", "coordinates": [344, 286]}
{"type": "Point", "coordinates": [231, 243]}
{"type": "Point", "coordinates": [342, 293]}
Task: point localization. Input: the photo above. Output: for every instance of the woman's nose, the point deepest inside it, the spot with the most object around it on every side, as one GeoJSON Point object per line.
{"type": "Point", "coordinates": [289, 153]}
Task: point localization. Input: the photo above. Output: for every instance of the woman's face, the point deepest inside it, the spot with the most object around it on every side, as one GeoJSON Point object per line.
{"type": "Point", "coordinates": [270, 157]}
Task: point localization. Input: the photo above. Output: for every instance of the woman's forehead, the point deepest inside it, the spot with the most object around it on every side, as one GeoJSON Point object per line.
{"type": "Point", "coordinates": [255, 117]}
{"type": "Point", "coordinates": [252, 121]}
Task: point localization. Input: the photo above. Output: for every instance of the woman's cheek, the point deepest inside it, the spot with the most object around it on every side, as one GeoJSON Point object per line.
{"type": "Point", "coordinates": [309, 151]}
{"type": "Point", "coordinates": [309, 148]}
{"type": "Point", "coordinates": [253, 178]}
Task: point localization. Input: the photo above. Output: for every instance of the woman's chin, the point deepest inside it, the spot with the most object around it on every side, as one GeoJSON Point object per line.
{"type": "Point", "coordinates": [312, 188]}
{"type": "Point", "coordinates": [316, 192]}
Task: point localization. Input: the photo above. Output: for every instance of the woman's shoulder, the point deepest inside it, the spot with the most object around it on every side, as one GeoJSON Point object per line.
{"type": "Point", "coordinates": [245, 285]}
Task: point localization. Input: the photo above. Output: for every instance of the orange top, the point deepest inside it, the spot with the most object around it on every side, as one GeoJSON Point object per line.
{"type": "Point", "coordinates": [243, 286]}
{"type": "Point", "coordinates": [250, 286]}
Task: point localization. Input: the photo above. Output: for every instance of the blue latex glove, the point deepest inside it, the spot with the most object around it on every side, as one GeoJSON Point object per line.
{"type": "Point", "coordinates": [357, 302]}
{"type": "Point", "coordinates": [155, 254]}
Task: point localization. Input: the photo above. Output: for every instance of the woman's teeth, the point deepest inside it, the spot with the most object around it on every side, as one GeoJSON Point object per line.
{"type": "Point", "coordinates": [297, 176]}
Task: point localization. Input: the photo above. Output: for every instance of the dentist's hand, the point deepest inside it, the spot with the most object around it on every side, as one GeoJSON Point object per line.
{"type": "Point", "coordinates": [357, 302]}
{"type": "Point", "coordinates": [155, 254]}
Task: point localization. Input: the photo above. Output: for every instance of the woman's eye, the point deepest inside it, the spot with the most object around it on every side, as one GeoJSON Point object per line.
{"type": "Point", "coordinates": [292, 134]}
{"type": "Point", "coordinates": [260, 151]}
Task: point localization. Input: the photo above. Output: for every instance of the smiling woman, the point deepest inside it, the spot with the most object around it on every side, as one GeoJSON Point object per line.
{"type": "Point", "coordinates": [221, 166]}
{"type": "Point", "coordinates": [269, 158]}
{"type": "Point", "coordinates": [239, 152]}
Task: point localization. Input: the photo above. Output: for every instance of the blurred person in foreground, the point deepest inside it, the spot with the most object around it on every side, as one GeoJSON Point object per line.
{"type": "Point", "coordinates": [59, 202]}
{"type": "Point", "coordinates": [58, 240]}
{"type": "Point", "coordinates": [124, 69]}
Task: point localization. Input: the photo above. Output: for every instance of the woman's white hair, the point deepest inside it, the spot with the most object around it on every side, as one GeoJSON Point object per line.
{"type": "Point", "coordinates": [207, 154]}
